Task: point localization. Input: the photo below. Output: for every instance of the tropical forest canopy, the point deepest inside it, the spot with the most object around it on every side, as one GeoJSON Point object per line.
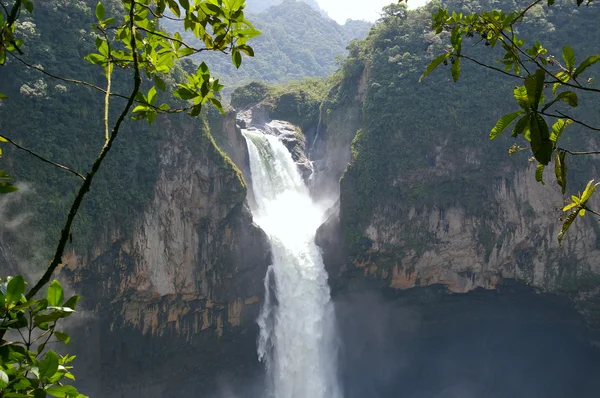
{"type": "Point", "coordinates": [73, 69]}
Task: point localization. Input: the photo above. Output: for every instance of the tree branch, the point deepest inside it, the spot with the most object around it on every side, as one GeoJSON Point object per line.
{"type": "Point", "coordinates": [85, 187]}
{"type": "Point", "coordinates": [525, 11]}
{"type": "Point", "coordinates": [560, 114]}
{"type": "Point", "coordinates": [157, 15]}
{"type": "Point", "coordinates": [97, 88]}
{"type": "Point", "coordinates": [65, 79]}
{"type": "Point", "coordinates": [491, 67]}
{"type": "Point", "coordinates": [579, 153]}
{"type": "Point", "coordinates": [591, 211]}
{"type": "Point", "coordinates": [43, 159]}
{"type": "Point", "coordinates": [197, 50]}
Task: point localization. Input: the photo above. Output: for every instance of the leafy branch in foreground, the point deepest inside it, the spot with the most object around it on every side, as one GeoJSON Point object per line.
{"type": "Point", "coordinates": [27, 369]}
{"type": "Point", "coordinates": [538, 70]}
{"type": "Point", "coordinates": [129, 42]}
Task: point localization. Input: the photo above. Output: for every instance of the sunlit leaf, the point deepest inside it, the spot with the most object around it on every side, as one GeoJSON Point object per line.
{"type": "Point", "coordinates": [566, 224]}
{"type": "Point", "coordinates": [15, 289]}
{"type": "Point", "coordinates": [591, 60]}
{"type": "Point", "coordinates": [569, 57]}
{"type": "Point", "coordinates": [100, 11]}
{"type": "Point", "coordinates": [55, 294]}
{"type": "Point", "coordinates": [560, 170]}
{"type": "Point", "coordinates": [539, 173]}
{"type": "Point", "coordinates": [503, 123]}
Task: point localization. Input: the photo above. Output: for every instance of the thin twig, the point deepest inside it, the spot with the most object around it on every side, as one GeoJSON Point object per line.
{"type": "Point", "coordinates": [49, 337]}
{"type": "Point", "coordinates": [43, 159]}
{"type": "Point", "coordinates": [197, 50]}
{"type": "Point", "coordinates": [98, 88]}
{"type": "Point", "coordinates": [539, 65]}
{"type": "Point", "coordinates": [579, 153]}
{"type": "Point", "coordinates": [64, 79]}
{"type": "Point", "coordinates": [85, 187]}
{"type": "Point", "coordinates": [560, 114]}
{"type": "Point", "coordinates": [591, 211]}
{"type": "Point", "coordinates": [157, 15]}
{"type": "Point", "coordinates": [522, 14]}
{"type": "Point", "coordinates": [491, 67]}
{"type": "Point", "coordinates": [107, 95]}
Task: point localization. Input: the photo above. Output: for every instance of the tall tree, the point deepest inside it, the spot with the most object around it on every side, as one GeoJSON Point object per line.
{"type": "Point", "coordinates": [129, 43]}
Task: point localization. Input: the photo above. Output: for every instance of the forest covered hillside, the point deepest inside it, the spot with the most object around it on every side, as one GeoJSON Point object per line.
{"type": "Point", "coordinates": [258, 6]}
{"type": "Point", "coordinates": [296, 42]}
{"type": "Point", "coordinates": [427, 197]}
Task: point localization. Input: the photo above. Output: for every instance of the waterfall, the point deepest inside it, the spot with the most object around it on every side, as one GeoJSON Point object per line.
{"type": "Point", "coordinates": [297, 323]}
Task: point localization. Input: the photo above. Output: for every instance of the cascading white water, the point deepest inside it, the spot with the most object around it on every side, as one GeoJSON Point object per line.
{"type": "Point", "coordinates": [297, 323]}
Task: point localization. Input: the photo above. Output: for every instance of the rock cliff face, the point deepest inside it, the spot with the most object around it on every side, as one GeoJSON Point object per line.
{"type": "Point", "coordinates": [425, 198]}
{"type": "Point", "coordinates": [184, 286]}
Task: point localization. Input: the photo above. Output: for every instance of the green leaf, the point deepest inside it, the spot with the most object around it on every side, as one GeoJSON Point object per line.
{"type": "Point", "coordinates": [49, 365]}
{"type": "Point", "coordinates": [160, 83]}
{"type": "Point", "coordinates": [25, 305]}
{"type": "Point", "coordinates": [3, 96]}
{"type": "Point", "coordinates": [140, 108]}
{"type": "Point", "coordinates": [563, 77]}
{"type": "Point", "coordinates": [246, 49]}
{"type": "Point", "coordinates": [455, 69]}
{"type": "Point", "coordinates": [185, 4]}
{"type": "Point", "coordinates": [569, 56]}
{"type": "Point", "coordinates": [62, 391]}
{"type": "Point", "coordinates": [591, 60]}
{"type": "Point", "coordinates": [6, 187]}
{"type": "Point", "coordinates": [203, 69]}
{"type": "Point", "coordinates": [582, 212]}
{"type": "Point", "coordinates": [567, 96]}
{"type": "Point", "coordinates": [522, 127]}
{"type": "Point", "coordinates": [541, 145]}
{"type": "Point", "coordinates": [55, 294]}
{"type": "Point", "coordinates": [503, 123]}
{"type": "Point", "coordinates": [15, 289]}
{"type": "Point", "coordinates": [560, 170]}
{"type": "Point", "coordinates": [65, 338]}
{"type": "Point", "coordinates": [152, 95]}
{"type": "Point", "coordinates": [236, 57]}
{"type": "Point", "coordinates": [589, 191]}
{"type": "Point", "coordinates": [196, 109]}
{"type": "Point", "coordinates": [539, 173]}
{"type": "Point", "coordinates": [28, 6]}
{"type": "Point", "coordinates": [217, 104]}
{"type": "Point", "coordinates": [99, 11]}
{"type": "Point", "coordinates": [185, 93]}
{"type": "Point", "coordinates": [520, 94]}
{"type": "Point", "coordinates": [96, 59]}
{"type": "Point", "coordinates": [570, 206]}
{"type": "Point", "coordinates": [568, 221]}
{"type": "Point", "coordinates": [3, 379]}
{"type": "Point", "coordinates": [534, 84]}
{"type": "Point", "coordinates": [72, 302]}
{"type": "Point", "coordinates": [558, 128]}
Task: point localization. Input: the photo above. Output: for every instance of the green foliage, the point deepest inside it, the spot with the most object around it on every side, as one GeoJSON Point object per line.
{"type": "Point", "coordinates": [27, 369]}
{"type": "Point", "coordinates": [416, 139]}
{"type": "Point", "coordinates": [141, 59]}
{"type": "Point", "coordinates": [503, 29]}
{"type": "Point", "coordinates": [250, 94]}
{"type": "Point", "coordinates": [296, 42]}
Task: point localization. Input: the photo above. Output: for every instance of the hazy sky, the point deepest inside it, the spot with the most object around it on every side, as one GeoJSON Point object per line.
{"type": "Point", "coordinates": [341, 10]}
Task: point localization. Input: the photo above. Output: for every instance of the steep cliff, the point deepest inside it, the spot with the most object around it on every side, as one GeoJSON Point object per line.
{"type": "Point", "coordinates": [190, 272]}
{"type": "Point", "coordinates": [426, 198]}
{"type": "Point", "coordinates": [164, 250]}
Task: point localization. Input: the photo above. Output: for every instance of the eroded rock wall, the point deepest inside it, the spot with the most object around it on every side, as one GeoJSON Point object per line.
{"type": "Point", "coordinates": [185, 283]}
